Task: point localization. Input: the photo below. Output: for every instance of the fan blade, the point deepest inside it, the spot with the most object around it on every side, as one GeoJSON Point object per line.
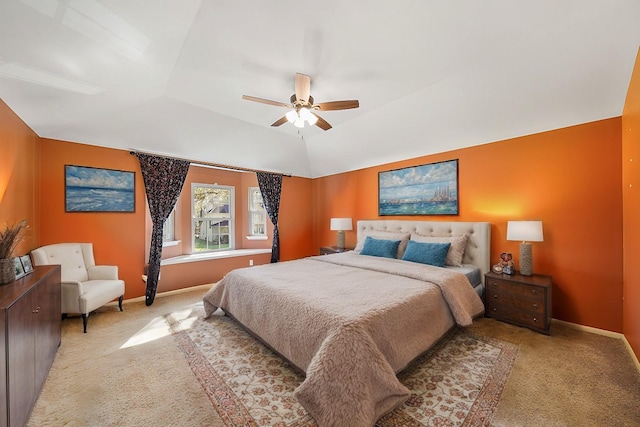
{"type": "Point", "coordinates": [322, 123]}
{"type": "Point", "coordinates": [303, 87]}
{"type": "Point", "coordinates": [280, 121]}
{"type": "Point", "coordinates": [338, 105]}
{"type": "Point", "coordinates": [265, 101]}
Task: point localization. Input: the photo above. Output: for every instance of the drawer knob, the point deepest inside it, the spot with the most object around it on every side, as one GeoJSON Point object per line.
{"type": "Point", "coordinates": [495, 295]}
{"type": "Point", "coordinates": [535, 305]}
{"type": "Point", "coordinates": [534, 291]}
{"type": "Point", "coordinates": [495, 309]}
{"type": "Point", "coordinates": [535, 319]}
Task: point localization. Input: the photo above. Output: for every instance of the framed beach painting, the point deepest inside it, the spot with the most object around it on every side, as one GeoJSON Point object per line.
{"type": "Point", "coordinates": [88, 189]}
{"type": "Point", "coordinates": [430, 189]}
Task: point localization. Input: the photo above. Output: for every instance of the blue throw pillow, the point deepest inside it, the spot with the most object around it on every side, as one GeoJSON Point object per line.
{"type": "Point", "coordinates": [380, 247]}
{"type": "Point", "coordinates": [427, 253]}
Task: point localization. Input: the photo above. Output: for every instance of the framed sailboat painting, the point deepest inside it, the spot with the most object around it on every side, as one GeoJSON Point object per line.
{"type": "Point", "coordinates": [430, 189]}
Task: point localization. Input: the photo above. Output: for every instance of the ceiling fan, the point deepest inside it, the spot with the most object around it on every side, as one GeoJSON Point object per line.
{"type": "Point", "coordinates": [303, 107]}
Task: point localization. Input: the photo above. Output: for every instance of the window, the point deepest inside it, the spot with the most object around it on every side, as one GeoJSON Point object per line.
{"type": "Point", "coordinates": [257, 213]}
{"type": "Point", "coordinates": [169, 228]}
{"type": "Point", "coordinates": [212, 217]}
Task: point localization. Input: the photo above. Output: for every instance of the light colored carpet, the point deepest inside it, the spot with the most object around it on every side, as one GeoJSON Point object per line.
{"type": "Point", "coordinates": [457, 383]}
{"type": "Point", "coordinates": [125, 371]}
{"type": "Point", "coordinates": [128, 371]}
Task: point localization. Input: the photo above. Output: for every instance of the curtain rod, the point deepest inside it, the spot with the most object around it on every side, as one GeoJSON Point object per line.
{"type": "Point", "coordinates": [213, 165]}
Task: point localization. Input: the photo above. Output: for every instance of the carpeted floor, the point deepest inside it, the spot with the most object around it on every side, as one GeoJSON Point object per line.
{"type": "Point", "coordinates": [128, 370]}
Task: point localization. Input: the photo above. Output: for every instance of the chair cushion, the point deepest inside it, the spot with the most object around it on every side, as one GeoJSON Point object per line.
{"type": "Point", "coordinates": [70, 257]}
{"type": "Point", "coordinates": [98, 293]}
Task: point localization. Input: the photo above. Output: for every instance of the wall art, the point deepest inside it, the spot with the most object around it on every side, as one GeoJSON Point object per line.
{"type": "Point", "coordinates": [88, 189]}
{"type": "Point", "coordinates": [430, 189]}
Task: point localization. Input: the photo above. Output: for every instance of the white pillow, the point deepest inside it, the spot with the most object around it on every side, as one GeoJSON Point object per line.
{"type": "Point", "coordinates": [384, 235]}
{"type": "Point", "coordinates": [456, 250]}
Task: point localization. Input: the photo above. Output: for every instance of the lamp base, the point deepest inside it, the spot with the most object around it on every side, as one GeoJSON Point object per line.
{"type": "Point", "coordinates": [340, 239]}
{"type": "Point", "coordinates": [526, 261]}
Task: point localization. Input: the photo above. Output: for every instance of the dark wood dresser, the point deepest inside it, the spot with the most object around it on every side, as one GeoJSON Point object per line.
{"type": "Point", "coordinates": [520, 300]}
{"type": "Point", "coordinates": [30, 336]}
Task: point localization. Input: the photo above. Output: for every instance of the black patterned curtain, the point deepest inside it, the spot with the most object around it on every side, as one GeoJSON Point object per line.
{"type": "Point", "coordinates": [163, 180]}
{"type": "Point", "coordinates": [271, 187]}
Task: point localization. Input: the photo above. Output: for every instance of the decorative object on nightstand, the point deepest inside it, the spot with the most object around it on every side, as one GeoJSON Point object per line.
{"type": "Point", "coordinates": [506, 265]}
{"type": "Point", "coordinates": [341, 225]}
{"type": "Point", "coordinates": [520, 300]}
{"type": "Point", "coordinates": [525, 231]}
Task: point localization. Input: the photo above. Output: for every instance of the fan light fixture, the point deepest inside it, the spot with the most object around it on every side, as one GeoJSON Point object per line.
{"type": "Point", "coordinates": [302, 104]}
{"type": "Point", "coordinates": [299, 116]}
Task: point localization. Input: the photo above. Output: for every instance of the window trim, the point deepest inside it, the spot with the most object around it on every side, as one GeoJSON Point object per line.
{"type": "Point", "coordinates": [252, 235]}
{"type": "Point", "coordinates": [231, 219]}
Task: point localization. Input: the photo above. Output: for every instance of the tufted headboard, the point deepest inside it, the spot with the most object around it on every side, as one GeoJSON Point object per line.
{"type": "Point", "coordinates": [478, 251]}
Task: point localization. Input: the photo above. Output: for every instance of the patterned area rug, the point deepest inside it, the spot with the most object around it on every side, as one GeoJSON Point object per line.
{"type": "Point", "coordinates": [457, 383]}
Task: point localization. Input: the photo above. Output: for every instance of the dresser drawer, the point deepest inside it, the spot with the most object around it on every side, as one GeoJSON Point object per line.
{"type": "Point", "coordinates": [531, 305]}
{"type": "Point", "coordinates": [532, 320]}
{"type": "Point", "coordinates": [526, 290]}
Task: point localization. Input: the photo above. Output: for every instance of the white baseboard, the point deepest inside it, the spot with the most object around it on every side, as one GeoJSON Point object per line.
{"type": "Point", "coordinates": [606, 334]}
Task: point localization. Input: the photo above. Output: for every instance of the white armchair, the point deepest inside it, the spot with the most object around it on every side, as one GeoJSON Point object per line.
{"type": "Point", "coordinates": [85, 285]}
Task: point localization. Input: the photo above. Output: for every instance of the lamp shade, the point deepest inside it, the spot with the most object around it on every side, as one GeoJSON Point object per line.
{"type": "Point", "coordinates": [524, 231]}
{"type": "Point", "coordinates": [291, 116]}
{"type": "Point", "coordinates": [341, 224]}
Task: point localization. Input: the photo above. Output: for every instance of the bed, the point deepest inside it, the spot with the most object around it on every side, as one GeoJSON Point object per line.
{"type": "Point", "coordinates": [351, 321]}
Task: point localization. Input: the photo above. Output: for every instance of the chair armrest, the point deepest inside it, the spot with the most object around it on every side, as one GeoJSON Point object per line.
{"type": "Point", "coordinates": [103, 272]}
{"type": "Point", "coordinates": [73, 285]}
{"type": "Point", "coordinates": [71, 292]}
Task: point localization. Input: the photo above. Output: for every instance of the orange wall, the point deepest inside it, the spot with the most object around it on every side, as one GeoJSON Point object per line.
{"type": "Point", "coordinates": [19, 177]}
{"type": "Point", "coordinates": [123, 239]}
{"type": "Point", "coordinates": [118, 238]}
{"type": "Point", "coordinates": [631, 210]}
{"type": "Point", "coordinates": [295, 221]}
{"type": "Point", "coordinates": [568, 178]}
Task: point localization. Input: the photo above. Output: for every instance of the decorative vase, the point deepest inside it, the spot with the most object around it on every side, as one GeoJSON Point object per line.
{"type": "Point", "coordinates": [7, 271]}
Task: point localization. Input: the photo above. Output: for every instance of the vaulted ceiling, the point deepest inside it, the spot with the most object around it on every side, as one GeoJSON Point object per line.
{"type": "Point", "coordinates": [167, 76]}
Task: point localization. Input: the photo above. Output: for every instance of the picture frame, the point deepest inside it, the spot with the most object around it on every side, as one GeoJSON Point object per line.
{"type": "Point", "coordinates": [19, 268]}
{"type": "Point", "coordinates": [26, 264]}
{"type": "Point", "coordinates": [429, 189]}
{"type": "Point", "coordinates": [89, 189]}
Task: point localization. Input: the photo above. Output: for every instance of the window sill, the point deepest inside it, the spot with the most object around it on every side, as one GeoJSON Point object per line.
{"type": "Point", "coordinates": [170, 243]}
{"type": "Point", "coordinates": [257, 237]}
{"type": "Point", "coordinates": [213, 255]}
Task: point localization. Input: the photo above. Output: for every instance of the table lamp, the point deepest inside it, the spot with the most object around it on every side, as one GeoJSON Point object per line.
{"type": "Point", "coordinates": [525, 231]}
{"type": "Point", "coordinates": [341, 224]}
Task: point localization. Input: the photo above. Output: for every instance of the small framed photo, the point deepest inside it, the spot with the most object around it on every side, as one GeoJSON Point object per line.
{"type": "Point", "coordinates": [26, 264]}
{"type": "Point", "coordinates": [19, 268]}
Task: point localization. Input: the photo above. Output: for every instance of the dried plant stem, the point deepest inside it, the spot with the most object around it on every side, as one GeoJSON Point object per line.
{"type": "Point", "coordinates": [10, 237]}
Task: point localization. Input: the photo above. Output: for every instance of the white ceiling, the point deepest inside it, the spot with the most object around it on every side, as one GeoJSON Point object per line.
{"type": "Point", "coordinates": [167, 76]}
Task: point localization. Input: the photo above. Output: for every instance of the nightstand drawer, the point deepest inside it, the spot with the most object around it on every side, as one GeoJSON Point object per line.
{"type": "Point", "coordinates": [520, 317]}
{"type": "Point", "coordinates": [531, 291]}
{"type": "Point", "coordinates": [495, 299]}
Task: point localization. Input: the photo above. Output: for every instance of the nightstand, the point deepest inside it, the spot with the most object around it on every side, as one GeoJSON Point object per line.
{"type": "Point", "coordinates": [520, 300]}
{"type": "Point", "coordinates": [326, 250]}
